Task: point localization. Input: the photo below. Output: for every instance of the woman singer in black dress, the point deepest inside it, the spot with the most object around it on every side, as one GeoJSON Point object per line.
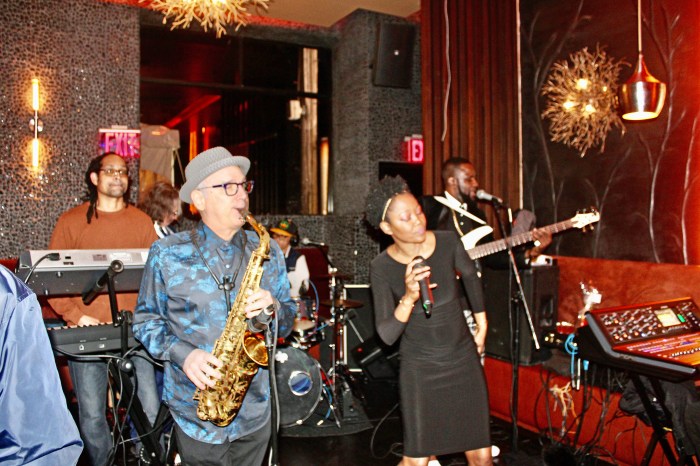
{"type": "Point", "coordinates": [444, 401]}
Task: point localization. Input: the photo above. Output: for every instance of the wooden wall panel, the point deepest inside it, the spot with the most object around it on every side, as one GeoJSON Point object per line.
{"type": "Point", "coordinates": [482, 108]}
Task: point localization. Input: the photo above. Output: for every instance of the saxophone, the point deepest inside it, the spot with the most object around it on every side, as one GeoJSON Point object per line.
{"type": "Point", "coordinates": [241, 350]}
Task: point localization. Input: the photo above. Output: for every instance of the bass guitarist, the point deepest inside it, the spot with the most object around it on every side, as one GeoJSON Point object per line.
{"type": "Point", "coordinates": [461, 185]}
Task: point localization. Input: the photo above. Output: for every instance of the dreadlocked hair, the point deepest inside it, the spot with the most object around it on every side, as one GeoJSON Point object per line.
{"type": "Point", "coordinates": [380, 196]}
{"type": "Point", "coordinates": [91, 196]}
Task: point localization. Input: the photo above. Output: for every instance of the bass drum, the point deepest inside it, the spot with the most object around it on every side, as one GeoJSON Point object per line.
{"type": "Point", "coordinates": [298, 378]}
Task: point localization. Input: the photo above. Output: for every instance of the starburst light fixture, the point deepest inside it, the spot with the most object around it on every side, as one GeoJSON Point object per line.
{"type": "Point", "coordinates": [211, 14]}
{"type": "Point", "coordinates": [580, 99]}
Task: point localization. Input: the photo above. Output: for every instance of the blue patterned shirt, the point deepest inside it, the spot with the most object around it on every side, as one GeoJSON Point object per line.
{"type": "Point", "coordinates": [180, 308]}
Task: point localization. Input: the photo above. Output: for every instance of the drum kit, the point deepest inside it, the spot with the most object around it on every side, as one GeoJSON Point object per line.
{"type": "Point", "coordinates": [302, 382]}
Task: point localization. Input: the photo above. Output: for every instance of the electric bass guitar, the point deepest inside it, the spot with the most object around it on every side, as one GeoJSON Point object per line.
{"type": "Point", "coordinates": [581, 220]}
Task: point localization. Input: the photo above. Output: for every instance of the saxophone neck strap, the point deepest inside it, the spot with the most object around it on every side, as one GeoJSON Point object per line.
{"type": "Point", "coordinates": [228, 282]}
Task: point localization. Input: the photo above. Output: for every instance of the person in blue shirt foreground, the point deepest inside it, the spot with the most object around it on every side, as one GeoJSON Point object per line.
{"type": "Point", "coordinates": [35, 424]}
{"type": "Point", "coordinates": [182, 310]}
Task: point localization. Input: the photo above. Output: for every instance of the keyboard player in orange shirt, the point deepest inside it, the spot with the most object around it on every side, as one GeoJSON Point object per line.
{"type": "Point", "coordinates": [106, 221]}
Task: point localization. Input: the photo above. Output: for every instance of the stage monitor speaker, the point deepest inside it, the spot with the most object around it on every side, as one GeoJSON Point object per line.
{"type": "Point", "coordinates": [365, 352]}
{"type": "Point", "coordinates": [360, 321]}
{"type": "Point", "coordinates": [377, 361]}
{"type": "Point", "coordinates": [393, 59]}
{"type": "Point", "coordinates": [541, 286]}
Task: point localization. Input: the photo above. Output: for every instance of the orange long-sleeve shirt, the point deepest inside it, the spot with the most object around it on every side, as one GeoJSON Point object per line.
{"type": "Point", "coordinates": [125, 229]}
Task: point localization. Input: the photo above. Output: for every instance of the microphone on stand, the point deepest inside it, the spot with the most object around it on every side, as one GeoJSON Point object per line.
{"type": "Point", "coordinates": [426, 294]}
{"type": "Point", "coordinates": [484, 196]}
{"type": "Point", "coordinates": [309, 242]}
{"type": "Point", "coordinates": [114, 268]}
{"type": "Point", "coordinates": [261, 321]}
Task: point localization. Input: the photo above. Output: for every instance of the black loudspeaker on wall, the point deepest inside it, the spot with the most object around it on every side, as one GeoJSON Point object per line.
{"type": "Point", "coordinates": [393, 59]}
{"type": "Point", "coordinates": [541, 286]}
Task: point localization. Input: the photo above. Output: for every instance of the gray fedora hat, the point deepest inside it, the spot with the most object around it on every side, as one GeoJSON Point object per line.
{"type": "Point", "coordinates": [208, 162]}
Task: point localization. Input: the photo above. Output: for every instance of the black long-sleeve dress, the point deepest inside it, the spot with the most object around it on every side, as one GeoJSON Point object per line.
{"type": "Point", "coordinates": [444, 400]}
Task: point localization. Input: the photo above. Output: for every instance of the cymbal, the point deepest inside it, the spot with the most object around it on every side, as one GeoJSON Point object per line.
{"type": "Point", "coordinates": [344, 303]}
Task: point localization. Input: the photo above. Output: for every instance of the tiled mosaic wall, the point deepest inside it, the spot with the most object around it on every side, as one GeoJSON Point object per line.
{"type": "Point", "coordinates": [369, 124]}
{"type": "Point", "coordinates": [86, 55]}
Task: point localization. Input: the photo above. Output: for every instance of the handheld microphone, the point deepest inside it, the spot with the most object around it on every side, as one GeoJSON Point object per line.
{"type": "Point", "coordinates": [114, 268]}
{"type": "Point", "coordinates": [426, 294]}
{"type": "Point", "coordinates": [484, 196]}
{"type": "Point", "coordinates": [309, 242]}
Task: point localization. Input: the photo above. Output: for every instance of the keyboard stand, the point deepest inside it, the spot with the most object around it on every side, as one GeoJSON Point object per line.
{"type": "Point", "coordinates": [661, 432]}
{"type": "Point", "coordinates": [121, 372]}
{"type": "Point", "coordinates": [152, 452]}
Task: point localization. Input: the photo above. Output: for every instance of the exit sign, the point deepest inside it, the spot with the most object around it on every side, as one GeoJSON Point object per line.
{"type": "Point", "coordinates": [121, 141]}
{"type": "Point", "coordinates": [413, 148]}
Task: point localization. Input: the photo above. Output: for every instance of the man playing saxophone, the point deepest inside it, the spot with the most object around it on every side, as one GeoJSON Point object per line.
{"type": "Point", "coordinates": [190, 283]}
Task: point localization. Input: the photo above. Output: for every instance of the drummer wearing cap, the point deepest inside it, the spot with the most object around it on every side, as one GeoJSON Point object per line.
{"type": "Point", "coordinates": [287, 235]}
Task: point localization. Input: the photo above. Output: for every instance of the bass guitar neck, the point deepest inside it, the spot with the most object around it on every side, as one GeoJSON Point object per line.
{"type": "Point", "coordinates": [469, 240]}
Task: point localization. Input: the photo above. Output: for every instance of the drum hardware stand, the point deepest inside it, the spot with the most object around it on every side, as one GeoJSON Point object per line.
{"type": "Point", "coordinates": [335, 347]}
{"type": "Point", "coordinates": [341, 379]}
{"type": "Point", "coordinates": [327, 392]}
{"type": "Point", "coordinates": [343, 383]}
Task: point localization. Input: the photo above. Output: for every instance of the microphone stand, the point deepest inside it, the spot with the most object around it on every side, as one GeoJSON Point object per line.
{"type": "Point", "coordinates": [151, 452]}
{"type": "Point", "coordinates": [274, 415]}
{"type": "Point", "coordinates": [321, 247]}
{"type": "Point", "coordinates": [518, 300]}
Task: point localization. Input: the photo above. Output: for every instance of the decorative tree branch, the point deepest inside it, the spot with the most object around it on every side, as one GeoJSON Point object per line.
{"type": "Point", "coordinates": [552, 50]}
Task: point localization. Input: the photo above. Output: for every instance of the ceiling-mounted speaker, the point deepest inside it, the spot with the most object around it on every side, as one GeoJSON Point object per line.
{"type": "Point", "coordinates": [393, 57]}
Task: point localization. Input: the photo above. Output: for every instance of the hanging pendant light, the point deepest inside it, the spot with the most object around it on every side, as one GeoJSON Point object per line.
{"type": "Point", "coordinates": [642, 96]}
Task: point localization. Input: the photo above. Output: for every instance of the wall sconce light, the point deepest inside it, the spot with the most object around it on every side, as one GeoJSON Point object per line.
{"type": "Point", "coordinates": [35, 123]}
{"type": "Point", "coordinates": [642, 96]}
{"type": "Point", "coordinates": [324, 168]}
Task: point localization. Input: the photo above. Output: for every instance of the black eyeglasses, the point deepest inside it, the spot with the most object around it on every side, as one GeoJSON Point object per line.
{"type": "Point", "coordinates": [114, 171]}
{"type": "Point", "coordinates": [232, 188]}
